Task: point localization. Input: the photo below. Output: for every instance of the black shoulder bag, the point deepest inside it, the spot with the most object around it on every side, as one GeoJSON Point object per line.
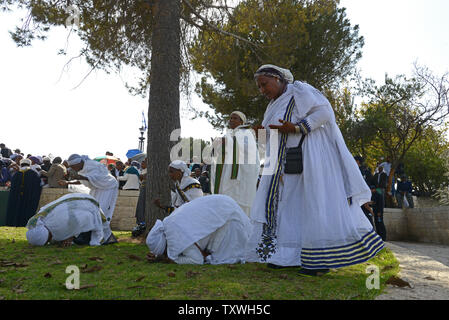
{"type": "Point", "coordinates": [293, 159]}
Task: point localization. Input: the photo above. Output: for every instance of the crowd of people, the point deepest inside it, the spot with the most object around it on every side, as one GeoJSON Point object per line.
{"type": "Point", "coordinates": [304, 207]}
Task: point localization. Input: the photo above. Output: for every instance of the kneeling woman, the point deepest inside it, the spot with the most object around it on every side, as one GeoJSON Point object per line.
{"type": "Point", "coordinates": [65, 218]}
{"type": "Point", "coordinates": [211, 229]}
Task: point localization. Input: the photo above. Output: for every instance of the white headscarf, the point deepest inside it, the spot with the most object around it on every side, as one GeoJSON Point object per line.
{"type": "Point", "coordinates": [181, 165]}
{"type": "Point", "coordinates": [241, 115]}
{"type": "Point", "coordinates": [284, 73]}
{"type": "Point", "coordinates": [25, 161]}
{"type": "Point", "coordinates": [156, 240]}
{"type": "Point", "coordinates": [75, 159]}
{"type": "Point", "coordinates": [38, 235]}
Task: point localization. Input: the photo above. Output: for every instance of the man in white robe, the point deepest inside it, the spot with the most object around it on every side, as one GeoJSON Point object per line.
{"type": "Point", "coordinates": [103, 187]}
{"type": "Point", "coordinates": [66, 218]}
{"type": "Point", "coordinates": [208, 230]}
{"type": "Point", "coordinates": [236, 171]}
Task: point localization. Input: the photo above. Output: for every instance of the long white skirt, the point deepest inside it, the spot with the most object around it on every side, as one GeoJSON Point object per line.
{"type": "Point", "coordinates": [107, 200]}
{"type": "Point", "coordinates": [316, 227]}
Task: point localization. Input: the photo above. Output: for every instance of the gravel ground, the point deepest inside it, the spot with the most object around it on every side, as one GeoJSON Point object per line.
{"type": "Point", "coordinates": [425, 267]}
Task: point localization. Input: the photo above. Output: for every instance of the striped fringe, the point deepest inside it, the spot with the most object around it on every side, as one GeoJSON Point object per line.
{"type": "Point", "coordinates": [337, 257]}
{"type": "Point", "coordinates": [274, 185]}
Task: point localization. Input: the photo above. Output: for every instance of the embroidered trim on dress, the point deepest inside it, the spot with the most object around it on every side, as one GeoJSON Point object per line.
{"type": "Point", "coordinates": [336, 257]}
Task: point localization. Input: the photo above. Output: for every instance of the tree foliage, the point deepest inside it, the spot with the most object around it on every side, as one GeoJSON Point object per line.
{"type": "Point", "coordinates": [426, 162]}
{"type": "Point", "coordinates": [314, 39]}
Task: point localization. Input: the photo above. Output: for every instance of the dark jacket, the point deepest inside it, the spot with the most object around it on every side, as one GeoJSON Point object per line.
{"type": "Point", "coordinates": [380, 182]}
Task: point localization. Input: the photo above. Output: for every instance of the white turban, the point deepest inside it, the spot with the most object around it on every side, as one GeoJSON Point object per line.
{"type": "Point", "coordinates": [75, 159]}
{"type": "Point", "coordinates": [156, 240]}
{"type": "Point", "coordinates": [25, 161]}
{"type": "Point", "coordinates": [241, 115]}
{"type": "Point", "coordinates": [38, 235]}
{"type": "Point", "coordinates": [181, 165]}
{"type": "Point", "coordinates": [275, 71]}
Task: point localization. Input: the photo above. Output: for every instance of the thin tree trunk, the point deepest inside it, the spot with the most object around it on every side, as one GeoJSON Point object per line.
{"type": "Point", "coordinates": [163, 109]}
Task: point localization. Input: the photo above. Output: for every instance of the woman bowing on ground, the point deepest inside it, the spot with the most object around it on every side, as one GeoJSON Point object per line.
{"type": "Point", "coordinates": [310, 219]}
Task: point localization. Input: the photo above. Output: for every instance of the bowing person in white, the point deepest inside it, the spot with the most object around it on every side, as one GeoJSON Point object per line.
{"type": "Point", "coordinates": [66, 218]}
{"type": "Point", "coordinates": [235, 168]}
{"type": "Point", "coordinates": [103, 187]}
{"type": "Point", "coordinates": [211, 229]}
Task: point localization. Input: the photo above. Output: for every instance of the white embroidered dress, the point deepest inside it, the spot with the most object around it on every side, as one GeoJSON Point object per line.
{"type": "Point", "coordinates": [315, 225]}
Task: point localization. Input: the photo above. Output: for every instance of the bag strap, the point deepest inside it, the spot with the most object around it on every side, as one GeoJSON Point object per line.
{"type": "Point", "coordinates": [302, 140]}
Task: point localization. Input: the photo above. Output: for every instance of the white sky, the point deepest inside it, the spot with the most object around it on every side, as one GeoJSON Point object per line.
{"type": "Point", "coordinates": [41, 113]}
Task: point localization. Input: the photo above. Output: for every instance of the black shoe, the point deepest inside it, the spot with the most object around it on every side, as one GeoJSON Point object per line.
{"type": "Point", "coordinates": [313, 272]}
{"type": "Point", "coordinates": [111, 240]}
{"type": "Point", "coordinates": [138, 230]}
{"type": "Point", "coordinates": [275, 266]}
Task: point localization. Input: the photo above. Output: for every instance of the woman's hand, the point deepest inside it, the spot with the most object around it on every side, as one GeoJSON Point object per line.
{"type": "Point", "coordinates": [286, 127]}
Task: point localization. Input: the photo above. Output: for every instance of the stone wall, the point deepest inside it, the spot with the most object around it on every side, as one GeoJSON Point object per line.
{"type": "Point", "coordinates": [125, 208]}
{"type": "Point", "coordinates": [426, 225]}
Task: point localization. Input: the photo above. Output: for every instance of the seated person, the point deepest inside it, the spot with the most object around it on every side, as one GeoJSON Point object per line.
{"type": "Point", "coordinates": [208, 230]}
{"type": "Point", "coordinates": [186, 187]}
{"type": "Point", "coordinates": [65, 218]}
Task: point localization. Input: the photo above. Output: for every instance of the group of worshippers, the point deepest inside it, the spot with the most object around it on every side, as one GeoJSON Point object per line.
{"type": "Point", "coordinates": [309, 218]}
{"type": "Point", "coordinates": [65, 215]}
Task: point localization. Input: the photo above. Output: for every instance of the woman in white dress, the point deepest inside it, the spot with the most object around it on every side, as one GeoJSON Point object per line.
{"type": "Point", "coordinates": [312, 219]}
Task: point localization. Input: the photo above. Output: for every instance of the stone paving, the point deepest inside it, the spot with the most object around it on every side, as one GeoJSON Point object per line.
{"type": "Point", "coordinates": [425, 267]}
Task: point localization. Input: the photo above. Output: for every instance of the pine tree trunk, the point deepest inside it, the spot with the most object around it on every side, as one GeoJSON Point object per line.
{"type": "Point", "coordinates": [163, 109]}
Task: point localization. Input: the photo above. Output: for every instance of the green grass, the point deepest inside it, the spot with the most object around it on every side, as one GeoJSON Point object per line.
{"type": "Point", "coordinates": [40, 273]}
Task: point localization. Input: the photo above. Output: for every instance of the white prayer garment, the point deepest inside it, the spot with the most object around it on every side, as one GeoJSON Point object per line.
{"type": "Point", "coordinates": [103, 187]}
{"type": "Point", "coordinates": [236, 173]}
{"type": "Point", "coordinates": [67, 217]}
{"type": "Point", "coordinates": [214, 223]}
{"type": "Point", "coordinates": [186, 190]}
{"type": "Point", "coordinates": [317, 221]}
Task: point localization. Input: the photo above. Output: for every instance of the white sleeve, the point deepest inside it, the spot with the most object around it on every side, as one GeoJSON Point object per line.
{"type": "Point", "coordinates": [316, 117]}
{"type": "Point", "coordinates": [123, 178]}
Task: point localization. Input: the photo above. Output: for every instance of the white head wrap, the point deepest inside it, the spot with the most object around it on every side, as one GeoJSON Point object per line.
{"type": "Point", "coordinates": [241, 115]}
{"type": "Point", "coordinates": [156, 240]}
{"type": "Point", "coordinates": [181, 165]}
{"type": "Point", "coordinates": [38, 236]}
{"type": "Point", "coordinates": [25, 161]}
{"type": "Point", "coordinates": [75, 159]}
{"type": "Point", "coordinates": [279, 72]}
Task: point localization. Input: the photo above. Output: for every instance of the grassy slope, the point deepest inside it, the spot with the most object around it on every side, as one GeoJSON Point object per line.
{"type": "Point", "coordinates": [125, 273]}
